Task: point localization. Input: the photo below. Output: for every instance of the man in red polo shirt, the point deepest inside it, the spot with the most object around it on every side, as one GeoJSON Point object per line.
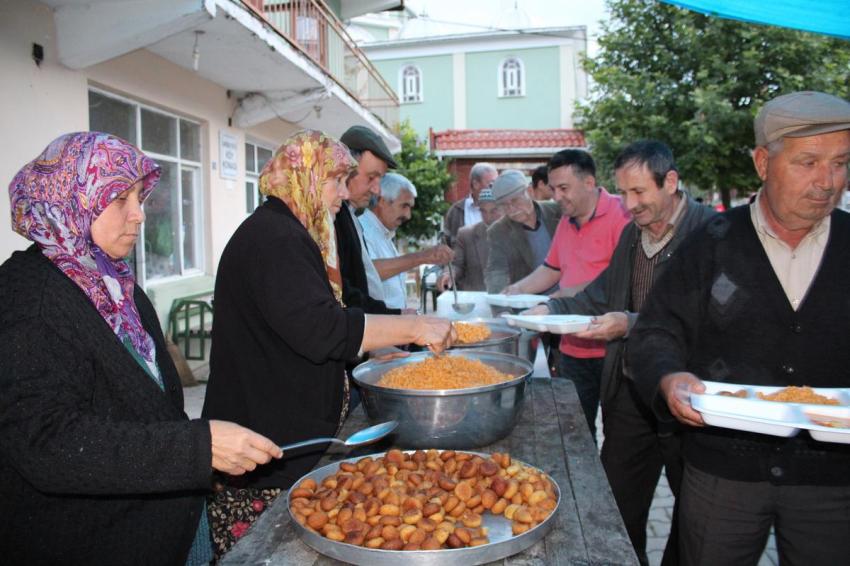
{"type": "Point", "coordinates": [581, 249]}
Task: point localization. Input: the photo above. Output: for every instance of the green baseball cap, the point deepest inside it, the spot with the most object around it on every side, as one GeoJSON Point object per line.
{"type": "Point", "coordinates": [361, 138]}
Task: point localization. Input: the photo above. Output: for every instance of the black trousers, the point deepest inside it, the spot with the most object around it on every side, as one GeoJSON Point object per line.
{"type": "Point", "coordinates": [727, 522]}
{"type": "Point", "coordinates": [633, 454]}
{"type": "Point", "coordinates": [586, 374]}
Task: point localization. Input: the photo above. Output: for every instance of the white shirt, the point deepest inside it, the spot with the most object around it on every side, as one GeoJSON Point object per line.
{"type": "Point", "coordinates": [382, 246]}
{"type": "Point", "coordinates": [376, 290]}
{"type": "Point", "coordinates": [471, 212]}
{"type": "Point", "coordinates": [795, 268]}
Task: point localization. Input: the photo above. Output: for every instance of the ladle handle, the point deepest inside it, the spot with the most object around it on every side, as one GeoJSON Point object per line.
{"type": "Point", "coordinates": [451, 270]}
{"type": "Point", "coordinates": [310, 442]}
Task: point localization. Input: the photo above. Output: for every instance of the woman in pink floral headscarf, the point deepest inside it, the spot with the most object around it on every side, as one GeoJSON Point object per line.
{"type": "Point", "coordinates": [281, 335]}
{"type": "Point", "coordinates": [98, 462]}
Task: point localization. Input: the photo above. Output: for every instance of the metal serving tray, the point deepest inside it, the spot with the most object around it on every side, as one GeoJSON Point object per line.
{"type": "Point", "coordinates": [502, 337]}
{"type": "Point", "coordinates": [502, 544]}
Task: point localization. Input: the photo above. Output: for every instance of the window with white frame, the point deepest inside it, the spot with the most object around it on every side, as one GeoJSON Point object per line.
{"type": "Point", "coordinates": [256, 157]}
{"type": "Point", "coordinates": [411, 84]}
{"type": "Point", "coordinates": [172, 240]}
{"type": "Point", "coordinates": [511, 77]}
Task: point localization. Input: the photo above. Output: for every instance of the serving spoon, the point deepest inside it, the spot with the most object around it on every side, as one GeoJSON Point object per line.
{"type": "Point", "coordinates": [460, 308]}
{"type": "Point", "coordinates": [359, 438]}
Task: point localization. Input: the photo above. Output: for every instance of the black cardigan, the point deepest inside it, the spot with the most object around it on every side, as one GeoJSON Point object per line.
{"type": "Point", "coordinates": [355, 286]}
{"type": "Point", "coordinates": [280, 340]}
{"type": "Point", "coordinates": [98, 465]}
{"type": "Point", "coordinates": [720, 312]}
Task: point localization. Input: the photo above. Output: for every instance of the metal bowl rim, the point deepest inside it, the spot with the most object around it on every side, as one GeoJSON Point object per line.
{"type": "Point", "coordinates": [444, 552]}
{"type": "Point", "coordinates": [447, 392]}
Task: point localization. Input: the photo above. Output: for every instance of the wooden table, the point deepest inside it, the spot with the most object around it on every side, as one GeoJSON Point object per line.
{"type": "Point", "coordinates": [551, 434]}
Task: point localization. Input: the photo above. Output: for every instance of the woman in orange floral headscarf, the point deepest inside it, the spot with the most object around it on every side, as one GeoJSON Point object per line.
{"type": "Point", "coordinates": [281, 333]}
{"type": "Point", "coordinates": [308, 174]}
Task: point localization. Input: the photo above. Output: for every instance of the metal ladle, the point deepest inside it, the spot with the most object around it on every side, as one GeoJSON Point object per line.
{"type": "Point", "coordinates": [460, 308]}
{"type": "Point", "coordinates": [359, 438]}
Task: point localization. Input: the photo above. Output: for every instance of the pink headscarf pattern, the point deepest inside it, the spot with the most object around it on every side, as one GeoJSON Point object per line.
{"type": "Point", "coordinates": [54, 201]}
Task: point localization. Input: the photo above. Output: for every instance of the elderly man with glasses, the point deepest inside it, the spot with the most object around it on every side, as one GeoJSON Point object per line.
{"type": "Point", "coordinates": [520, 240]}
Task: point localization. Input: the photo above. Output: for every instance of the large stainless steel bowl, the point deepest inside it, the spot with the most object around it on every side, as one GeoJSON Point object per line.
{"type": "Point", "coordinates": [503, 338]}
{"type": "Point", "coordinates": [447, 418]}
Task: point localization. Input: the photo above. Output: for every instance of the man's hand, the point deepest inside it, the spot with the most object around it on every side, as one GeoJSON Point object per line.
{"type": "Point", "coordinates": [436, 333]}
{"type": "Point", "coordinates": [236, 449]}
{"type": "Point", "coordinates": [609, 326]}
{"type": "Point", "coordinates": [513, 289]}
{"type": "Point", "coordinates": [444, 281]}
{"type": "Point", "coordinates": [440, 255]}
{"type": "Point", "coordinates": [539, 309]}
{"type": "Point", "coordinates": [676, 389]}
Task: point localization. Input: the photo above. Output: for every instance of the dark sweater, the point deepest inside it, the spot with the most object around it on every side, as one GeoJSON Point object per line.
{"type": "Point", "coordinates": [720, 312]}
{"type": "Point", "coordinates": [280, 340]}
{"type": "Point", "coordinates": [611, 290]}
{"type": "Point", "coordinates": [98, 465]}
{"type": "Point", "coordinates": [355, 285]}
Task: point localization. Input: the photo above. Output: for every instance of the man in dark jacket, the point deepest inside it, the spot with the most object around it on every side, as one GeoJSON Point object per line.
{"type": "Point", "coordinates": [759, 295]}
{"type": "Point", "coordinates": [635, 447]}
{"type": "Point", "coordinates": [373, 159]}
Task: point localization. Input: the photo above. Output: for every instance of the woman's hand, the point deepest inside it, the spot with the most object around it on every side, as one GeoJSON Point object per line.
{"type": "Point", "coordinates": [236, 449]}
{"type": "Point", "coordinates": [434, 332]}
{"type": "Point", "coordinates": [387, 354]}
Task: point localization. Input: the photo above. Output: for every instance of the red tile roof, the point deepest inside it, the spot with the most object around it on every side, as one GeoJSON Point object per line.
{"type": "Point", "coordinates": [505, 139]}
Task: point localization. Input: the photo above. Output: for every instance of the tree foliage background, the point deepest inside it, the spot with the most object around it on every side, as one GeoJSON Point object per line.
{"type": "Point", "coordinates": [432, 180]}
{"type": "Point", "coordinates": [696, 83]}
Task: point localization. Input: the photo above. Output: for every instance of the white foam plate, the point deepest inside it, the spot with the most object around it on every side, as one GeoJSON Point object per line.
{"type": "Point", "coordinates": [840, 416]}
{"type": "Point", "coordinates": [516, 301]}
{"type": "Point", "coordinates": [770, 417]}
{"type": "Point", "coordinates": [554, 323]}
{"type": "Point", "coordinates": [747, 423]}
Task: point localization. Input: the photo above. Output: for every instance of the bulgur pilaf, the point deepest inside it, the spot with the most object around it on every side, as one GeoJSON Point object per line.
{"type": "Point", "coordinates": [469, 333]}
{"type": "Point", "coordinates": [793, 394]}
{"type": "Point", "coordinates": [443, 372]}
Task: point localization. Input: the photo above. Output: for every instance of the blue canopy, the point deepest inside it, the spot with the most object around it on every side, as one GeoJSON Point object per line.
{"type": "Point", "coordinates": [830, 17]}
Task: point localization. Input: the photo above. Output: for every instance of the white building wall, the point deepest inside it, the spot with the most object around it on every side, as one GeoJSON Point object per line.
{"type": "Point", "coordinates": [37, 104]}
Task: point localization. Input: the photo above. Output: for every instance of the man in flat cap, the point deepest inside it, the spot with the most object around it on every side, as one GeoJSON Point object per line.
{"type": "Point", "coordinates": [759, 296]}
{"type": "Point", "coordinates": [520, 240]}
{"type": "Point", "coordinates": [471, 248]}
{"type": "Point", "coordinates": [361, 283]}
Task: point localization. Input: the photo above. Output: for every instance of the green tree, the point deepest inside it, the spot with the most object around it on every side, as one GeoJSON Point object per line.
{"type": "Point", "coordinates": [431, 178]}
{"type": "Point", "coordinates": [696, 83]}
